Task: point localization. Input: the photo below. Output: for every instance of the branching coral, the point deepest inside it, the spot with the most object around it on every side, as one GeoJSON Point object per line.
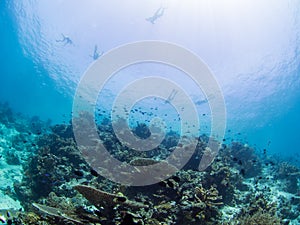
{"type": "Point", "coordinates": [199, 205]}
{"type": "Point", "coordinates": [259, 212]}
{"type": "Point", "coordinates": [260, 218]}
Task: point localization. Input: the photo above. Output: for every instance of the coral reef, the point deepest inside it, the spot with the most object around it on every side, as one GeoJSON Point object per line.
{"type": "Point", "coordinates": [6, 115]}
{"type": "Point", "coordinates": [59, 187]}
{"type": "Point", "coordinates": [198, 207]}
{"type": "Point", "coordinates": [105, 199]}
{"type": "Point", "coordinates": [55, 163]}
{"type": "Point", "coordinates": [245, 159]}
{"type": "Point", "coordinates": [259, 212]}
{"type": "Point", "coordinates": [142, 131]}
{"type": "Point", "coordinates": [260, 218]}
{"type": "Point", "coordinates": [290, 175]}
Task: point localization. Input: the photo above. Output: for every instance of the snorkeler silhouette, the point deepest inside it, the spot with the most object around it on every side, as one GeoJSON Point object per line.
{"type": "Point", "coordinates": [65, 39]}
{"type": "Point", "coordinates": [96, 54]}
{"type": "Point", "coordinates": [157, 14]}
{"type": "Point", "coordinates": [202, 101]}
{"type": "Point", "coordinates": [171, 96]}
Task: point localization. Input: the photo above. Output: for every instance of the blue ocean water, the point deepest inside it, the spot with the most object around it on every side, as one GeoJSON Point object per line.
{"type": "Point", "coordinates": [20, 74]}
{"type": "Point", "coordinates": [254, 56]}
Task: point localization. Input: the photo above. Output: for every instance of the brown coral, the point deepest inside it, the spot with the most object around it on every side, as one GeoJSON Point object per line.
{"type": "Point", "coordinates": [208, 196]}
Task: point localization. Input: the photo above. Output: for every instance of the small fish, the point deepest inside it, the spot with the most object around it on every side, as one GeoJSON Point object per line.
{"type": "Point", "coordinates": [78, 173]}
{"type": "Point", "coordinates": [265, 151]}
{"type": "Point", "coordinates": [242, 172]}
{"type": "Point", "coordinates": [94, 173]}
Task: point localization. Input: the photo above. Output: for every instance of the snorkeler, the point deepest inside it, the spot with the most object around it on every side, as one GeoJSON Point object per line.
{"type": "Point", "coordinates": [171, 96]}
{"type": "Point", "coordinates": [157, 14]}
{"type": "Point", "coordinates": [65, 39]}
{"type": "Point", "coordinates": [96, 54]}
{"type": "Point", "coordinates": [202, 101]}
